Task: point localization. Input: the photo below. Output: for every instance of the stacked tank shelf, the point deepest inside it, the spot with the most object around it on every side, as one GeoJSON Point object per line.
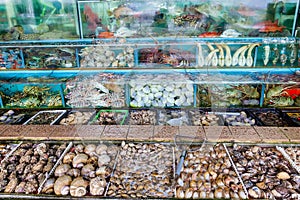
{"type": "Point", "coordinates": [188, 53]}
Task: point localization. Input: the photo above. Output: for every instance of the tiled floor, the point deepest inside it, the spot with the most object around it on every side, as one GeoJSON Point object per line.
{"type": "Point", "coordinates": [152, 133]}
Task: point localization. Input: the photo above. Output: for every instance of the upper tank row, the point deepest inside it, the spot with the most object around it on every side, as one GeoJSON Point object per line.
{"type": "Point", "coordinates": [74, 19]}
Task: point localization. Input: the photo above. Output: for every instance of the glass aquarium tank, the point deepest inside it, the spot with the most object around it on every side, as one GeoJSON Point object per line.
{"type": "Point", "coordinates": [38, 19]}
{"type": "Point", "coordinates": [209, 18]}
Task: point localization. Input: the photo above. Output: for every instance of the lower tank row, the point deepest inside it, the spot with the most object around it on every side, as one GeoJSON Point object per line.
{"type": "Point", "coordinates": [149, 170]}
{"type": "Point", "coordinates": [173, 117]}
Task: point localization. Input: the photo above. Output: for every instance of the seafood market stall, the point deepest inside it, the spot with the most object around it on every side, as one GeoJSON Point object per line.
{"type": "Point", "coordinates": [162, 99]}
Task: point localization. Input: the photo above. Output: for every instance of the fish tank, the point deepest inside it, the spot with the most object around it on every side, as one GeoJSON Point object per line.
{"type": "Point", "coordinates": [38, 19]}
{"type": "Point", "coordinates": [209, 18]}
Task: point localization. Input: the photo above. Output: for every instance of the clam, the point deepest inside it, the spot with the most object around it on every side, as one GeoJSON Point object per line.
{"type": "Point", "coordinates": [62, 185]}
{"type": "Point", "coordinates": [79, 160]}
{"type": "Point", "coordinates": [97, 185]}
{"type": "Point", "coordinates": [188, 193]}
{"type": "Point", "coordinates": [180, 193]}
{"type": "Point", "coordinates": [62, 169]}
{"type": "Point", "coordinates": [283, 175]}
{"type": "Point", "coordinates": [78, 187]}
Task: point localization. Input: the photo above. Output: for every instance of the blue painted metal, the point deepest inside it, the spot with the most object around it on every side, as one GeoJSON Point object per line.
{"type": "Point", "coordinates": [62, 96]}
{"type": "Point", "coordinates": [262, 95]}
{"type": "Point", "coordinates": [1, 102]}
{"type": "Point", "coordinates": [22, 58]}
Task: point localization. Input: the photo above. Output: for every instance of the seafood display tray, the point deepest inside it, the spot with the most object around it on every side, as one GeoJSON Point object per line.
{"type": "Point", "coordinates": [124, 148]}
{"type": "Point", "coordinates": [77, 117]}
{"type": "Point", "coordinates": [279, 118]}
{"type": "Point", "coordinates": [294, 115]}
{"type": "Point", "coordinates": [15, 117]}
{"type": "Point", "coordinates": [110, 117]}
{"type": "Point", "coordinates": [58, 114]}
{"type": "Point", "coordinates": [248, 192]}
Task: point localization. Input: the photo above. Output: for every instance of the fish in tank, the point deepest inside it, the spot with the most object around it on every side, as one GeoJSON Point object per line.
{"type": "Point", "coordinates": [40, 19]}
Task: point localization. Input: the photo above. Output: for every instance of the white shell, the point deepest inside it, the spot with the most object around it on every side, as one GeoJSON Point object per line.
{"type": "Point", "coordinates": [170, 100]}
{"type": "Point", "coordinates": [172, 94]}
{"type": "Point", "coordinates": [154, 89]}
{"type": "Point", "coordinates": [133, 103]}
{"type": "Point", "coordinates": [169, 88]}
{"type": "Point", "coordinates": [158, 94]}
{"type": "Point", "coordinates": [10, 112]}
{"type": "Point", "coordinates": [177, 92]}
{"type": "Point", "coordinates": [146, 89]}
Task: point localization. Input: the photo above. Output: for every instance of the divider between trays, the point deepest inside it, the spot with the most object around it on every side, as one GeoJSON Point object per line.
{"type": "Point", "coordinates": [236, 171]}
{"type": "Point", "coordinates": [288, 158]}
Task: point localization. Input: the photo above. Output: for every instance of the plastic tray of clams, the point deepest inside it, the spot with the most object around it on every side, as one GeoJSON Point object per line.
{"type": "Point", "coordinates": [238, 171]}
{"type": "Point", "coordinates": [149, 170]}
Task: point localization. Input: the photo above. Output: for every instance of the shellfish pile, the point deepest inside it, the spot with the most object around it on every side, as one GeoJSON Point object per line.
{"type": "Point", "coordinates": [100, 90]}
{"type": "Point", "coordinates": [208, 173]}
{"type": "Point", "coordinates": [199, 118]}
{"type": "Point", "coordinates": [77, 117]}
{"type": "Point", "coordinates": [45, 117]}
{"type": "Point", "coordinates": [5, 149]}
{"type": "Point", "coordinates": [10, 117]}
{"type": "Point", "coordinates": [110, 118]}
{"type": "Point", "coordinates": [265, 173]}
{"type": "Point", "coordinates": [142, 117]}
{"type": "Point", "coordinates": [26, 168]}
{"type": "Point", "coordinates": [238, 119]}
{"type": "Point", "coordinates": [173, 117]}
{"type": "Point", "coordinates": [294, 153]}
{"type": "Point", "coordinates": [143, 171]}
{"type": "Point", "coordinates": [271, 118]}
{"type": "Point", "coordinates": [153, 91]}
{"type": "Point", "coordinates": [104, 57]}
{"type": "Point", "coordinates": [84, 170]}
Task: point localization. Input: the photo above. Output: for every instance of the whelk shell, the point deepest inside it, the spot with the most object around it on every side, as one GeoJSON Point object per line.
{"type": "Point", "coordinates": [78, 187]}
